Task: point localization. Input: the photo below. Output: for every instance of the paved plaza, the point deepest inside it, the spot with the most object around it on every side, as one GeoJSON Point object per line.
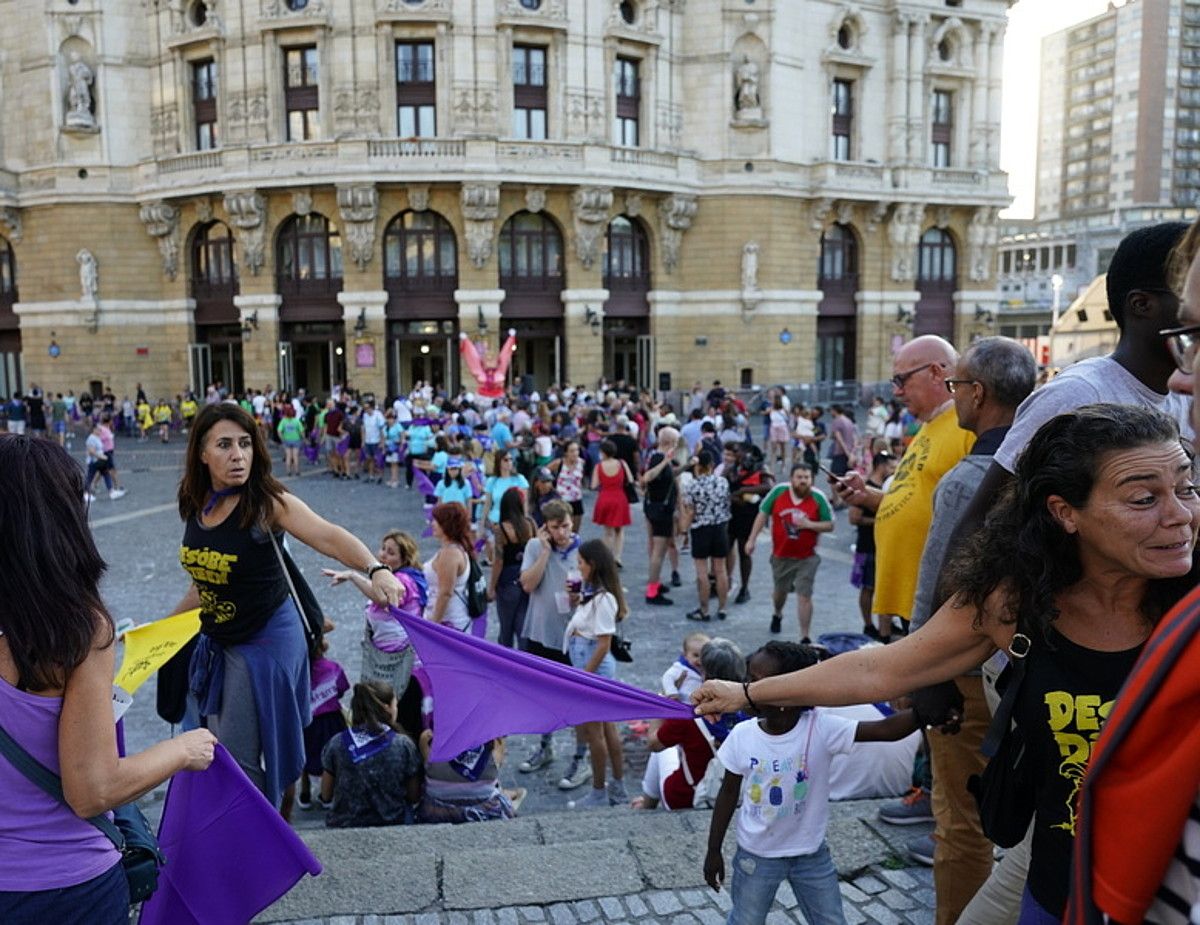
{"type": "Point", "coordinates": [549, 865]}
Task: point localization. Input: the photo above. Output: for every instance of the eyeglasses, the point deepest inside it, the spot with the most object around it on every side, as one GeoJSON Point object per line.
{"type": "Point", "coordinates": [953, 384]}
{"type": "Point", "coordinates": [1182, 344]}
{"type": "Point", "coordinates": [899, 379]}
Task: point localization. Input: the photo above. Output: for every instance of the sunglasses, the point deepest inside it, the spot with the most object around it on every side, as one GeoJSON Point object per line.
{"type": "Point", "coordinates": [899, 379]}
{"type": "Point", "coordinates": [1182, 344]}
{"type": "Point", "coordinates": [953, 384]}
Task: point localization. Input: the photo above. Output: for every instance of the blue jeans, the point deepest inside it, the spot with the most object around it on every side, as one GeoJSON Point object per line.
{"type": "Point", "coordinates": [103, 900]}
{"type": "Point", "coordinates": [812, 876]}
{"type": "Point", "coordinates": [581, 649]}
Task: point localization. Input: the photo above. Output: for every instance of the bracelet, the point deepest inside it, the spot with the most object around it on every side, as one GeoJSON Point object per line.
{"type": "Point", "coordinates": [378, 566]}
{"type": "Point", "coordinates": [746, 693]}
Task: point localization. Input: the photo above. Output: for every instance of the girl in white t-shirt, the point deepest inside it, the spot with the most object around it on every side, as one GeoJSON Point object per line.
{"type": "Point", "coordinates": [779, 763]}
{"type": "Point", "coordinates": [599, 606]}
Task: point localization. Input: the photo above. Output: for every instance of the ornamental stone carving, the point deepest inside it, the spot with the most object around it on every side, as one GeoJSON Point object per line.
{"type": "Point", "coordinates": [358, 205]}
{"type": "Point", "coordinates": [634, 204]}
{"type": "Point", "coordinates": [481, 207]}
{"type": "Point", "coordinates": [877, 214]}
{"type": "Point", "coordinates": [10, 221]}
{"type": "Point", "coordinates": [302, 203]}
{"type": "Point", "coordinates": [274, 9]}
{"type": "Point", "coordinates": [413, 6]}
{"type": "Point", "coordinates": [820, 212]}
{"type": "Point", "coordinates": [983, 234]}
{"type": "Point", "coordinates": [162, 223]}
{"type": "Point", "coordinates": [904, 235]}
{"type": "Point", "coordinates": [535, 199]}
{"type": "Point", "coordinates": [750, 292]}
{"type": "Point", "coordinates": [590, 206]}
{"type": "Point", "coordinates": [248, 211]}
{"type": "Point", "coordinates": [550, 9]}
{"type": "Point", "coordinates": [89, 275]}
{"type": "Point", "coordinates": [80, 78]}
{"type": "Point", "coordinates": [204, 209]}
{"type": "Point", "coordinates": [676, 212]}
{"type": "Point", "coordinates": [418, 198]}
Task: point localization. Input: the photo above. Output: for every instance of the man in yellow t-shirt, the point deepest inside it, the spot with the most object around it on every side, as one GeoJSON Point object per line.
{"type": "Point", "coordinates": [905, 509]}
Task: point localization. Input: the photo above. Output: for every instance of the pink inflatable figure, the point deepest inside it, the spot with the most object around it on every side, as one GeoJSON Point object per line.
{"type": "Point", "coordinates": [489, 373]}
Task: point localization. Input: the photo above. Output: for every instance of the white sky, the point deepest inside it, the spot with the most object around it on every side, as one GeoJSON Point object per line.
{"type": "Point", "coordinates": [1028, 21]}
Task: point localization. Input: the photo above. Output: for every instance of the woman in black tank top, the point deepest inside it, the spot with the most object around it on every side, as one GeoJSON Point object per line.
{"type": "Point", "coordinates": [512, 533]}
{"type": "Point", "coordinates": [1081, 556]}
{"type": "Point", "coordinates": [249, 673]}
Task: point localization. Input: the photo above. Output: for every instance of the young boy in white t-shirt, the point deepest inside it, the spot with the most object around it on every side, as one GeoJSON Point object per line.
{"type": "Point", "coordinates": [779, 764]}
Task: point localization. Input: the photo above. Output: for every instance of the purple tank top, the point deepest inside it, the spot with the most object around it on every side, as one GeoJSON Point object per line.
{"type": "Point", "coordinates": [43, 844]}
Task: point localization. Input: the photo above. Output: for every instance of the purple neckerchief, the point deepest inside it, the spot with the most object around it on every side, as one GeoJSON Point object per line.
{"type": "Point", "coordinates": [571, 547]}
{"type": "Point", "coordinates": [362, 744]}
{"type": "Point", "coordinates": [427, 422]}
{"type": "Point", "coordinates": [685, 663]}
{"type": "Point", "coordinates": [723, 724]}
{"type": "Point", "coordinates": [217, 495]}
{"type": "Point", "coordinates": [472, 763]}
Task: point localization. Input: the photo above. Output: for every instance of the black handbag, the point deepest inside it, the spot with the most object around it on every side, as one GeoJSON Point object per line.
{"type": "Point", "coordinates": [1005, 791]}
{"type": "Point", "coordinates": [621, 648]}
{"type": "Point", "coordinates": [128, 830]}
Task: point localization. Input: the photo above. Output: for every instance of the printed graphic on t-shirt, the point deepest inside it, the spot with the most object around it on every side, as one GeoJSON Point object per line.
{"type": "Point", "coordinates": [209, 567]}
{"type": "Point", "coordinates": [776, 788]}
{"type": "Point", "coordinates": [1075, 722]}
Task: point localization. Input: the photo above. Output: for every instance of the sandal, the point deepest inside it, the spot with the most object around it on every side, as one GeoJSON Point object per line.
{"type": "Point", "coordinates": [699, 616]}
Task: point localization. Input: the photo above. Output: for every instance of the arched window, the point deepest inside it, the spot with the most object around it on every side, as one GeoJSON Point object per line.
{"type": "Point", "coordinates": [8, 274]}
{"type": "Point", "coordinates": [627, 254]}
{"type": "Point", "coordinates": [420, 253]}
{"type": "Point", "coordinates": [531, 256]}
{"type": "Point", "coordinates": [937, 259]}
{"type": "Point", "coordinates": [309, 252]}
{"type": "Point", "coordinates": [839, 255]}
{"type": "Point", "coordinates": [213, 276]}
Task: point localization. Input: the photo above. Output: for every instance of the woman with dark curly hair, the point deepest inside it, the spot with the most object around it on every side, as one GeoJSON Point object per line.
{"type": "Point", "coordinates": [1078, 560]}
{"type": "Point", "coordinates": [249, 672]}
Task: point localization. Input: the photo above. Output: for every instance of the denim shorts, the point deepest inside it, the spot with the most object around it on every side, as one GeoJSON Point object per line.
{"type": "Point", "coordinates": [581, 648]}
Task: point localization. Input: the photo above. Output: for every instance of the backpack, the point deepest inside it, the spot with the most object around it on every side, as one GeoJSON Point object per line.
{"type": "Point", "coordinates": [704, 795]}
{"type": "Point", "coordinates": [476, 591]}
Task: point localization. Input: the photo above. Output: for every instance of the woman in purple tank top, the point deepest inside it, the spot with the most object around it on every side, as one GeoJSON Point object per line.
{"type": "Point", "coordinates": [56, 669]}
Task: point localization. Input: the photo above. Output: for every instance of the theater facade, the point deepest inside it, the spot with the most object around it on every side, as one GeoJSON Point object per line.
{"type": "Point", "coordinates": [306, 192]}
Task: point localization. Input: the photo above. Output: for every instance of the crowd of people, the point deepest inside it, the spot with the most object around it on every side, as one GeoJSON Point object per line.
{"type": "Point", "coordinates": [1032, 545]}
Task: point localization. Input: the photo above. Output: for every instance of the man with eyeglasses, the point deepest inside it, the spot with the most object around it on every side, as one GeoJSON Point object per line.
{"type": "Point", "coordinates": [991, 379]}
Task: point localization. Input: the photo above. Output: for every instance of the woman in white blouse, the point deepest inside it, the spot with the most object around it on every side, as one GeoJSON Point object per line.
{"type": "Point", "coordinates": [599, 607]}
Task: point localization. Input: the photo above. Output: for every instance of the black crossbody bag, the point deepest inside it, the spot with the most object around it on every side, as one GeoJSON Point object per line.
{"type": "Point", "coordinates": [128, 830]}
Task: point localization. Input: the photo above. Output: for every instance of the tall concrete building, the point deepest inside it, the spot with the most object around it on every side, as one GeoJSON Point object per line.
{"type": "Point", "coordinates": [305, 192]}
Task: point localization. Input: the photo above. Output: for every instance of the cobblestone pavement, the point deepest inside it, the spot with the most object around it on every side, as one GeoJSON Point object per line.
{"type": "Point", "coordinates": [139, 537]}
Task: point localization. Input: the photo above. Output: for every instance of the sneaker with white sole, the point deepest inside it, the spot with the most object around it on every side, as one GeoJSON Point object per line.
{"type": "Point", "coordinates": [595, 799]}
{"type": "Point", "coordinates": [541, 756]}
{"type": "Point", "coordinates": [116, 493]}
{"type": "Point", "coordinates": [88, 497]}
{"type": "Point", "coordinates": [617, 794]}
{"type": "Point", "coordinates": [579, 771]}
{"type": "Point", "coordinates": [921, 849]}
{"type": "Point", "coordinates": [913, 807]}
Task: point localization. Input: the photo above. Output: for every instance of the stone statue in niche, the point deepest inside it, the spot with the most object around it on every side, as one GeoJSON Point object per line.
{"type": "Point", "coordinates": [750, 267]}
{"type": "Point", "coordinates": [89, 275]}
{"type": "Point", "coordinates": [747, 100]}
{"type": "Point", "coordinates": [79, 95]}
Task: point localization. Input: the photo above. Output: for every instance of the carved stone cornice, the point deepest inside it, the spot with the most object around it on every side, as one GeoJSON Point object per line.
{"type": "Point", "coordinates": [358, 205]}
{"type": "Point", "coordinates": [10, 222]}
{"type": "Point", "coordinates": [162, 223]}
{"type": "Point", "coordinates": [590, 206]}
{"type": "Point", "coordinates": [247, 209]}
{"type": "Point", "coordinates": [676, 212]}
{"type": "Point", "coordinates": [481, 208]}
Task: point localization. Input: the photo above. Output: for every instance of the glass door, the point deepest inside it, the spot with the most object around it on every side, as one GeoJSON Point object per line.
{"type": "Point", "coordinates": [287, 368]}
{"type": "Point", "coordinates": [199, 368]}
{"type": "Point", "coordinates": [645, 363]}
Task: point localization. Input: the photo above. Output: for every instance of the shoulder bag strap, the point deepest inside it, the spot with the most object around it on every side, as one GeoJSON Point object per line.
{"type": "Point", "coordinates": [1002, 719]}
{"type": "Point", "coordinates": [291, 587]}
{"type": "Point", "coordinates": [49, 782]}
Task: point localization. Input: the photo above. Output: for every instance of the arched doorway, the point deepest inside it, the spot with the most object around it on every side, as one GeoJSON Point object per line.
{"type": "Point", "coordinates": [10, 324]}
{"type": "Point", "coordinates": [628, 349]}
{"type": "Point", "coordinates": [937, 281]}
{"type": "Point", "coordinates": [837, 313]}
{"type": "Point", "coordinates": [420, 274]}
{"type": "Point", "coordinates": [216, 352]}
{"type": "Point", "coordinates": [312, 339]}
{"type": "Point", "coordinates": [531, 275]}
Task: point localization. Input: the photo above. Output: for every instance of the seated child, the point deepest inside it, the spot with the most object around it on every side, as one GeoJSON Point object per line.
{"type": "Point", "coordinates": [779, 764]}
{"type": "Point", "coordinates": [328, 684]}
{"type": "Point", "coordinates": [683, 677]}
{"type": "Point", "coordinates": [467, 787]}
{"type": "Point", "coordinates": [371, 774]}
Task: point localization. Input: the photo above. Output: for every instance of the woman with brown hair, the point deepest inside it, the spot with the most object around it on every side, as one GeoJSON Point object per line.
{"type": "Point", "coordinates": [450, 566]}
{"type": "Point", "coordinates": [249, 672]}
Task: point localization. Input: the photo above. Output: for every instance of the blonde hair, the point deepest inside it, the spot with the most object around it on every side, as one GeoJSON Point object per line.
{"type": "Point", "coordinates": [1180, 260]}
{"type": "Point", "coordinates": [406, 545]}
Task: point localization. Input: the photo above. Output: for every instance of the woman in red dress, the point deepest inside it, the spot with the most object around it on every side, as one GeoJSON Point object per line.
{"type": "Point", "coordinates": [611, 512]}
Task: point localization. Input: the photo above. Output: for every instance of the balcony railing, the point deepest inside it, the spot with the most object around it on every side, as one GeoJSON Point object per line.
{"type": "Point", "coordinates": [200, 160]}
{"type": "Point", "coordinates": [390, 148]}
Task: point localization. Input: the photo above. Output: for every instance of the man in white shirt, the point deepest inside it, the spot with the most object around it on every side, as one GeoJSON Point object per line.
{"type": "Point", "coordinates": [372, 425]}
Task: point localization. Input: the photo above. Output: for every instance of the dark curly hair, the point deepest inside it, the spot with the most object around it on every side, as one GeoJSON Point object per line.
{"type": "Point", "coordinates": [788, 656]}
{"type": "Point", "coordinates": [1023, 550]}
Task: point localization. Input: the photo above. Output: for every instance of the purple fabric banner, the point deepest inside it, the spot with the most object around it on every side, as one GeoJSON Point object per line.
{"type": "Point", "coordinates": [229, 852]}
{"type": "Point", "coordinates": [482, 691]}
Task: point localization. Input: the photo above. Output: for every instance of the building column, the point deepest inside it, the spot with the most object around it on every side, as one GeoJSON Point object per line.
{"type": "Point", "coordinates": [478, 311]}
{"type": "Point", "coordinates": [366, 351]}
{"type": "Point", "coordinates": [995, 72]}
{"type": "Point", "coordinates": [916, 90]}
{"type": "Point", "coordinates": [884, 325]}
{"type": "Point", "coordinates": [977, 128]}
{"type": "Point", "coordinates": [583, 342]}
{"type": "Point", "coordinates": [898, 103]}
{"type": "Point", "coordinates": [260, 352]}
{"type": "Point", "coordinates": [975, 314]}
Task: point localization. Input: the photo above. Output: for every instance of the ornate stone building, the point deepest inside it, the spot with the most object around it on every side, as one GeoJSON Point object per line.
{"type": "Point", "coordinates": [308, 191]}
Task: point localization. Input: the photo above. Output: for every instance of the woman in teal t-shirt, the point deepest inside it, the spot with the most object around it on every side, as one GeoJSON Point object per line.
{"type": "Point", "coordinates": [503, 477]}
{"type": "Point", "coordinates": [291, 435]}
{"type": "Point", "coordinates": [419, 437]}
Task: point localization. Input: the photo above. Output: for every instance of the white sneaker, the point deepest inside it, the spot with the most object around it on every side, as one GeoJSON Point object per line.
{"type": "Point", "coordinates": [116, 493]}
{"type": "Point", "coordinates": [88, 497]}
{"type": "Point", "coordinates": [578, 773]}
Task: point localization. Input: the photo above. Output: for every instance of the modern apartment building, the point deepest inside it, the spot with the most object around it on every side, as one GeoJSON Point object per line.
{"type": "Point", "coordinates": [305, 192]}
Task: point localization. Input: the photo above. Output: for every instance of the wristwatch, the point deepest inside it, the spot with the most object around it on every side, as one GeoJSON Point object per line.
{"type": "Point", "coordinates": [372, 569]}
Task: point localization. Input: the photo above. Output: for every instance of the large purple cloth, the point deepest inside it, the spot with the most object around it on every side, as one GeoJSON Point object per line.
{"type": "Point", "coordinates": [229, 852]}
{"type": "Point", "coordinates": [482, 691]}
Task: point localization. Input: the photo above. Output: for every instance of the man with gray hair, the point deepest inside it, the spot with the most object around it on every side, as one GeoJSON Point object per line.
{"type": "Point", "coordinates": [989, 382]}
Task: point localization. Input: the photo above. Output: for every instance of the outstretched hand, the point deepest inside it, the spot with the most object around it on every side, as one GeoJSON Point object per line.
{"type": "Point", "coordinates": [716, 697]}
